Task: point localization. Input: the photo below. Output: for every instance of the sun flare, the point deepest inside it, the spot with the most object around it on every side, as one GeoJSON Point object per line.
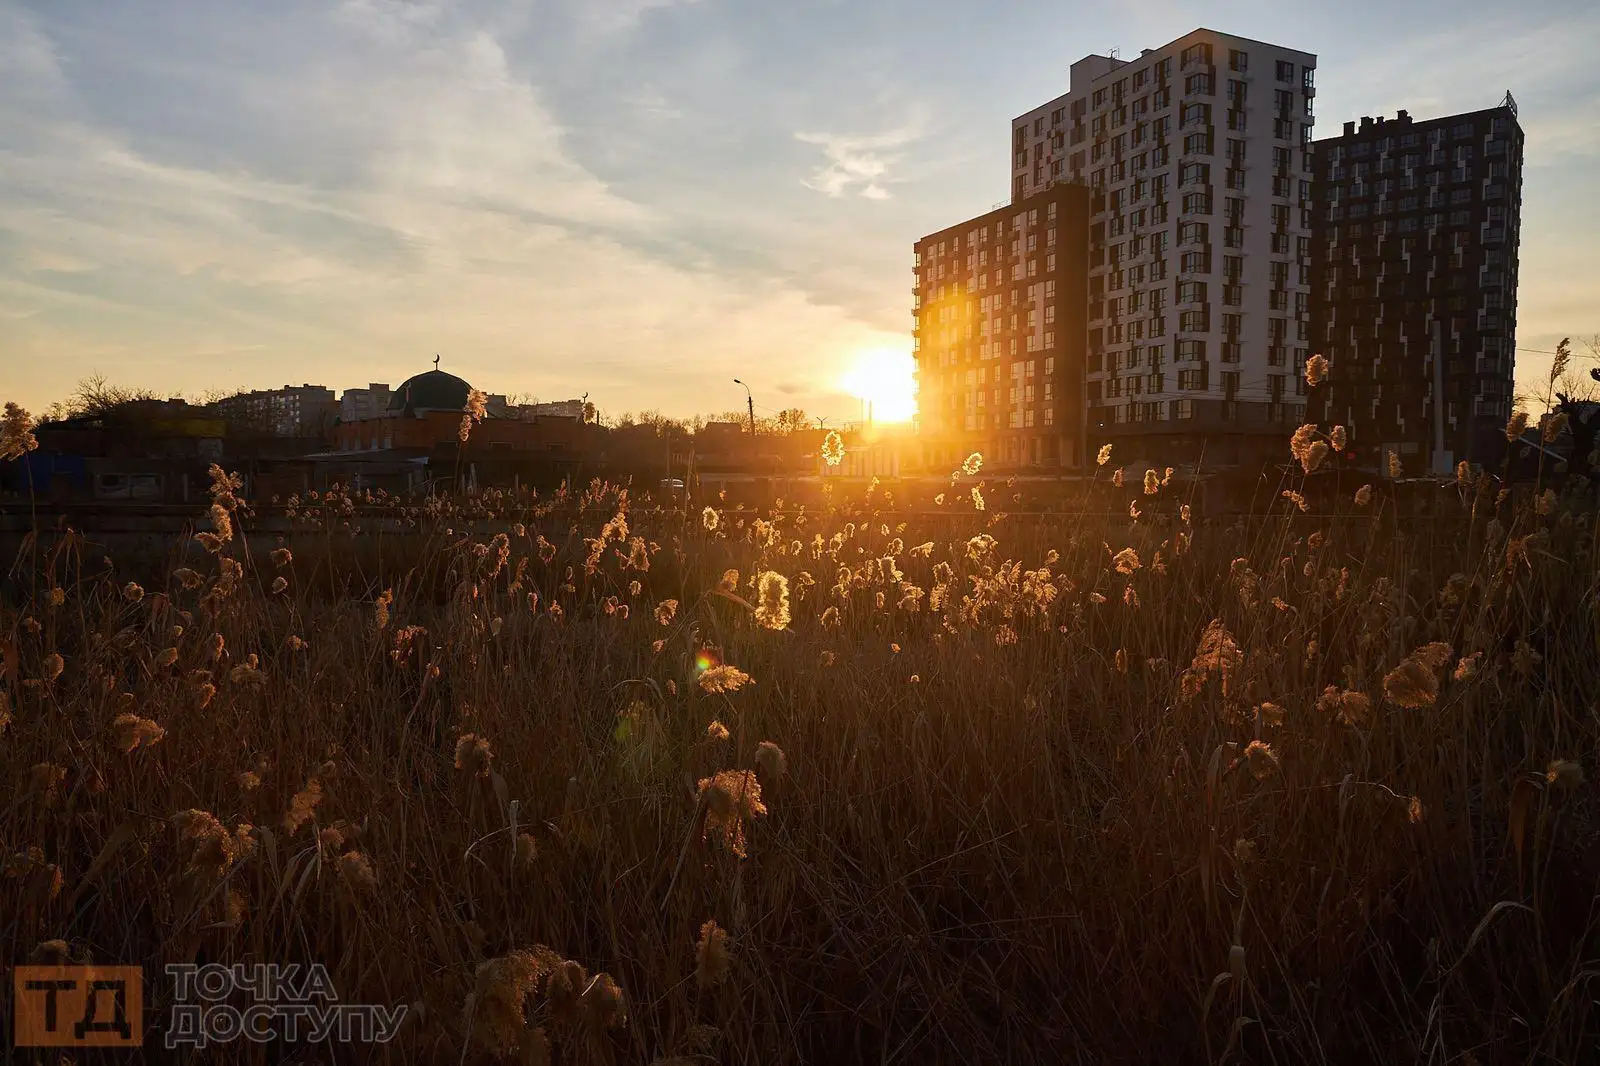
{"type": "Point", "coordinates": [885, 378]}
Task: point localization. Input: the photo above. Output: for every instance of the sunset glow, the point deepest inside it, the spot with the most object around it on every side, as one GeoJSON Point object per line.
{"type": "Point", "coordinates": [885, 378]}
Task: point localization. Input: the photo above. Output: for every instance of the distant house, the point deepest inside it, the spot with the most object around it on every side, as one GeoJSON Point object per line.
{"type": "Point", "coordinates": [146, 451]}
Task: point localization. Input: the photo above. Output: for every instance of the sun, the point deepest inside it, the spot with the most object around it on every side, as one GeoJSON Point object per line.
{"type": "Point", "coordinates": [885, 378]}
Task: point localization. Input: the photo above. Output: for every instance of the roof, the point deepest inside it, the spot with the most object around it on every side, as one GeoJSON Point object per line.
{"type": "Point", "coordinates": [431, 391]}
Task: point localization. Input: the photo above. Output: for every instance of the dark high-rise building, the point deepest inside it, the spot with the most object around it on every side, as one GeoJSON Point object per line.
{"type": "Point", "coordinates": [1000, 333]}
{"type": "Point", "coordinates": [1414, 283]}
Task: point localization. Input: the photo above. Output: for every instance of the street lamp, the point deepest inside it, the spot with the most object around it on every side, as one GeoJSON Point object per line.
{"type": "Point", "coordinates": [750, 405]}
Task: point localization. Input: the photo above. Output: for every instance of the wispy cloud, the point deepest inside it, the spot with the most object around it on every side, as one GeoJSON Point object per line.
{"type": "Point", "coordinates": [863, 165]}
{"type": "Point", "coordinates": [651, 103]}
{"type": "Point", "coordinates": [612, 16]}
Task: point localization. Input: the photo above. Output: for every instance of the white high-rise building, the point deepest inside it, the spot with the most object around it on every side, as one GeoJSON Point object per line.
{"type": "Point", "coordinates": [1198, 157]}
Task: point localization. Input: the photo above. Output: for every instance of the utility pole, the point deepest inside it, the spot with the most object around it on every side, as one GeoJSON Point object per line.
{"type": "Point", "coordinates": [750, 405]}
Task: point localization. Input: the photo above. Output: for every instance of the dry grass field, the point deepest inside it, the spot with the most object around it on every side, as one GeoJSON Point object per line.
{"type": "Point", "coordinates": [583, 780]}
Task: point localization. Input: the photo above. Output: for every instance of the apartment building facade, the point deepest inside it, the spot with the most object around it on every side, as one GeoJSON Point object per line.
{"type": "Point", "coordinates": [358, 405]}
{"type": "Point", "coordinates": [292, 411]}
{"type": "Point", "coordinates": [999, 334]}
{"type": "Point", "coordinates": [1414, 284]}
{"type": "Point", "coordinates": [1198, 158]}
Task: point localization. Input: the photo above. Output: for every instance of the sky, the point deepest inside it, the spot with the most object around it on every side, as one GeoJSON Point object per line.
{"type": "Point", "coordinates": [635, 199]}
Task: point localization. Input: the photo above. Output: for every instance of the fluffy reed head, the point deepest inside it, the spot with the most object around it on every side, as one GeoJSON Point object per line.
{"type": "Point", "coordinates": [473, 755]}
{"type": "Point", "coordinates": [711, 956]}
{"type": "Point", "coordinates": [833, 448]}
{"type": "Point", "coordinates": [1316, 370]}
{"type": "Point", "coordinates": [724, 678]}
{"type": "Point", "coordinates": [771, 760]}
{"type": "Point", "coordinates": [772, 604]}
{"type": "Point", "coordinates": [1414, 682]}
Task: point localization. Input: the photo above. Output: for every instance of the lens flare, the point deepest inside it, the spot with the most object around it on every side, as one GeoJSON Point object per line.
{"type": "Point", "coordinates": [885, 378]}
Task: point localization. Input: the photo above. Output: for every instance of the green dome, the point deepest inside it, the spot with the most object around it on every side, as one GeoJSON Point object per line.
{"type": "Point", "coordinates": [432, 391]}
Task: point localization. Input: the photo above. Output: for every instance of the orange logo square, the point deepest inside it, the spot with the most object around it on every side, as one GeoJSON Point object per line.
{"type": "Point", "coordinates": [78, 1006]}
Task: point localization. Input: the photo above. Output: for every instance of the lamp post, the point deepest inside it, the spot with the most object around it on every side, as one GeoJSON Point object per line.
{"type": "Point", "coordinates": [750, 405]}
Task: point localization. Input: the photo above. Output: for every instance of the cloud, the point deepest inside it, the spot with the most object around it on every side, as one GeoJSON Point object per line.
{"type": "Point", "coordinates": [400, 184]}
{"type": "Point", "coordinates": [615, 16]}
{"type": "Point", "coordinates": [862, 164]}
{"type": "Point", "coordinates": [1546, 66]}
{"type": "Point", "coordinates": [652, 104]}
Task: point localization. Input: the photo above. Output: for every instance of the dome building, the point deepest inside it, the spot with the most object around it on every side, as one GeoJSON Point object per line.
{"type": "Point", "coordinates": [434, 390]}
{"type": "Point", "coordinates": [424, 413]}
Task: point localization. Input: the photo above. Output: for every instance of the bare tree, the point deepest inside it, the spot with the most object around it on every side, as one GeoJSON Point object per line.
{"type": "Point", "coordinates": [1576, 383]}
{"type": "Point", "coordinates": [790, 420]}
{"type": "Point", "coordinates": [94, 396]}
{"type": "Point", "coordinates": [207, 397]}
{"type": "Point", "coordinates": [1577, 397]}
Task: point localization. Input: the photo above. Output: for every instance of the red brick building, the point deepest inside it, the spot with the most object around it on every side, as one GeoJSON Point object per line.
{"type": "Point", "coordinates": [424, 416]}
